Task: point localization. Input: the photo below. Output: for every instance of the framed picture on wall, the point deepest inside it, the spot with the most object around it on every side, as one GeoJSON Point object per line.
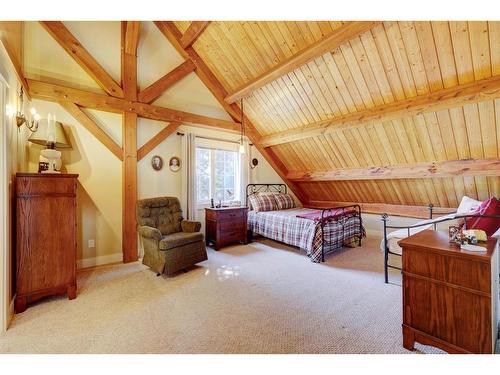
{"type": "Point", "coordinates": [157, 162]}
{"type": "Point", "coordinates": [174, 164]}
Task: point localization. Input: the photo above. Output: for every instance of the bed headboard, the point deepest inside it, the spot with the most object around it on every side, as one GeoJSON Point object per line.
{"type": "Point", "coordinates": [262, 188]}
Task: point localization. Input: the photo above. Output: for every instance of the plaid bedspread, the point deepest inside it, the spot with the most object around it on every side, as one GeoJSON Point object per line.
{"type": "Point", "coordinates": [285, 226]}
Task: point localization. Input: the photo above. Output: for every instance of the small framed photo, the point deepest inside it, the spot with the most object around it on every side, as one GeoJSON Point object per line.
{"type": "Point", "coordinates": [174, 164]}
{"type": "Point", "coordinates": [157, 162]}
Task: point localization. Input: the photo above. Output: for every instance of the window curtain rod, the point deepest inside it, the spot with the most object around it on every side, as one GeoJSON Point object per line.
{"type": "Point", "coordinates": [211, 138]}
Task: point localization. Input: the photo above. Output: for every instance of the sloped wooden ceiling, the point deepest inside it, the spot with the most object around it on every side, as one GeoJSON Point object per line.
{"type": "Point", "coordinates": [392, 62]}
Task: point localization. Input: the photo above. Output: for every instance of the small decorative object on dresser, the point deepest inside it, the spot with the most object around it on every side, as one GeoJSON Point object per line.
{"type": "Point", "coordinates": [45, 236]}
{"type": "Point", "coordinates": [450, 296]}
{"type": "Point", "coordinates": [226, 225]}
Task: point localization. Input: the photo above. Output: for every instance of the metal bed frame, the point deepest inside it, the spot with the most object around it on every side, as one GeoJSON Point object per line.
{"type": "Point", "coordinates": [385, 219]}
{"type": "Point", "coordinates": [325, 218]}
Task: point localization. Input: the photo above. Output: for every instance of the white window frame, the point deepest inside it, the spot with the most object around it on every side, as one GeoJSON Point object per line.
{"type": "Point", "coordinates": [213, 146]}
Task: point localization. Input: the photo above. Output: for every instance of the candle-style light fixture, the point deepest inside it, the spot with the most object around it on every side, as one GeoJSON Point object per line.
{"type": "Point", "coordinates": [242, 134]}
{"type": "Point", "coordinates": [32, 122]}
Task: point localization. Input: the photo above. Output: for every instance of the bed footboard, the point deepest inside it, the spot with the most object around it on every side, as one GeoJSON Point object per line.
{"type": "Point", "coordinates": [339, 215]}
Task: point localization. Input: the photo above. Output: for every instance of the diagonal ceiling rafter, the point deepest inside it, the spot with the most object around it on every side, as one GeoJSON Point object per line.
{"type": "Point", "coordinates": [74, 48]}
{"type": "Point", "coordinates": [156, 89]}
{"type": "Point", "coordinates": [93, 128]}
{"type": "Point", "coordinates": [338, 37]}
{"type": "Point", "coordinates": [173, 34]}
{"type": "Point", "coordinates": [193, 32]}
{"type": "Point", "coordinates": [157, 139]}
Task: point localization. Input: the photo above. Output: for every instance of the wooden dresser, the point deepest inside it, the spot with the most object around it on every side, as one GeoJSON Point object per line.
{"type": "Point", "coordinates": [450, 296]}
{"type": "Point", "coordinates": [225, 225]}
{"type": "Point", "coordinates": [45, 236]}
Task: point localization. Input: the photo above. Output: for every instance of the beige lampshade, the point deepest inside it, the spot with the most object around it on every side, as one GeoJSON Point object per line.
{"type": "Point", "coordinates": [40, 136]}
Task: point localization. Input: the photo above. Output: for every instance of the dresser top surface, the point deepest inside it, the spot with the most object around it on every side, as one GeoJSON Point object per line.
{"type": "Point", "coordinates": [440, 241]}
{"type": "Point", "coordinates": [45, 175]}
{"type": "Point", "coordinates": [226, 208]}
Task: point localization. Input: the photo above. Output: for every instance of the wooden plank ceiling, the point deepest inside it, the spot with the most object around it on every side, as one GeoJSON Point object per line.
{"type": "Point", "coordinates": [392, 62]}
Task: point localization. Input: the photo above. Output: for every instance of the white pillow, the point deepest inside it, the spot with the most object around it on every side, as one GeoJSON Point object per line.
{"type": "Point", "coordinates": [468, 206]}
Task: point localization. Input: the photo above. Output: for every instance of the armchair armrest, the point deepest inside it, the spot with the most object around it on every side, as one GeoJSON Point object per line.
{"type": "Point", "coordinates": [150, 232]}
{"type": "Point", "coordinates": [190, 226]}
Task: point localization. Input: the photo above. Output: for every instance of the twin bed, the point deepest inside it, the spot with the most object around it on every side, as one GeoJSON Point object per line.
{"type": "Point", "coordinates": [317, 232]}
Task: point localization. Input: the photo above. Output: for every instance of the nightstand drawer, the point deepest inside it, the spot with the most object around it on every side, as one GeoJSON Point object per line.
{"type": "Point", "coordinates": [232, 214]}
{"type": "Point", "coordinates": [229, 226]}
{"type": "Point", "coordinates": [235, 235]}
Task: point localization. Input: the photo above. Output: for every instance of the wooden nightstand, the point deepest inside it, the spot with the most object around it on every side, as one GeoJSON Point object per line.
{"type": "Point", "coordinates": [225, 225]}
{"type": "Point", "coordinates": [450, 296]}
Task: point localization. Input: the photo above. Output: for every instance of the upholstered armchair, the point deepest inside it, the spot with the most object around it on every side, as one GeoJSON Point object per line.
{"type": "Point", "coordinates": [170, 243]}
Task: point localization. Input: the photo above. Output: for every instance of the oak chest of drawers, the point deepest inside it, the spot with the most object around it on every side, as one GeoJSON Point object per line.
{"type": "Point", "coordinates": [45, 236]}
{"type": "Point", "coordinates": [450, 296]}
{"type": "Point", "coordinates": [225, 225]}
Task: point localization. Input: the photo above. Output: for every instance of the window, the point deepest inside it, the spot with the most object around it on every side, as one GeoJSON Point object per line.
{"type": "Point", "coordinates": [217, 175]}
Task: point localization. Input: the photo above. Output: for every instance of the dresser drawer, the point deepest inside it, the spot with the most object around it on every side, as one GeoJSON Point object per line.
{"type": "Point", "coordinates": [453, 270]}
{"type": "Point", "coordinates": [231, 236]}
{"type": "Point", "coordinates": [45, 186]}
{"type": "Point", "coordinates": [233, 225]}
{"type": "Point", "coordinates": [232, 214]}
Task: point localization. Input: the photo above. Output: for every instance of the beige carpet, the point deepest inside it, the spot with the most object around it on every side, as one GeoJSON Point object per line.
{"type": "Point", "coordinates": [261, 298]}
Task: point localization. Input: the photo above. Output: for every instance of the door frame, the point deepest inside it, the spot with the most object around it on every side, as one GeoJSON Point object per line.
{"type": "Point", "coordinates": [4, 207]}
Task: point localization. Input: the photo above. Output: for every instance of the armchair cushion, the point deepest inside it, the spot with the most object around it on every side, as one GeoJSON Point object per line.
{"type": "Point", "coordinates": [150, 232]}
{"type": "Point", "coordinates": [190, 226]}
{"type": "Point", "coordinates": [174, 240]}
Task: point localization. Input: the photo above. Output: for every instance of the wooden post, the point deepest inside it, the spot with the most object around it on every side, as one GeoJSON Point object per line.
{"type": "Point", "coordinates": [129, 222]}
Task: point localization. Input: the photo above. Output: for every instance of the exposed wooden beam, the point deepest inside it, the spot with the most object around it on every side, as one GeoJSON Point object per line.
{"type": "Point", "coordinates": [449, 168]}
{"type": "Point", "coordinates": [17, 67]}
{"type": "Point", "coordinates": [421, 212]}
{"type": "Point", "coordinates": [73, 47]}
{"type": "Point", "coordinates": [173, 34]}
{"type": "Point", "coordinates": [93, 128]}
{"type": "Point", "coordinates": [87, 99]}
{"type": "Point", "coordinates": [153, 91]}
{"type": "Point", "coordinates": [130, 37]}
{"type": "Point", "coordinates": [157, 139]}
{"type": "Point", "coordinates": [129, 222]}
{"type": "Point", "coordinates": [485, 89]}
{"type": "Point", "coordinates": [193, 32]}
{"type": "Point", "coordinates": [343, 34]}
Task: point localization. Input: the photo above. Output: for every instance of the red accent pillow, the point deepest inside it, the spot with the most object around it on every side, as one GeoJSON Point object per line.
{"type": "Point", "coordinates": [284, 201]}
{"type": "Point", "coordinates": [489, 225]}
{"type": "Point", "coordinates": [263, 202]}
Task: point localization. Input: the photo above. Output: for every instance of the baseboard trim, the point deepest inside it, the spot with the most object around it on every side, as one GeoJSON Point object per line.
{"type": "Point", "coordinates": [99, 261]}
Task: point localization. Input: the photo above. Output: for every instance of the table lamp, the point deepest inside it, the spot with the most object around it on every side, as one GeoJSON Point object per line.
{"type": "Point", "coordinates": [50, 134]}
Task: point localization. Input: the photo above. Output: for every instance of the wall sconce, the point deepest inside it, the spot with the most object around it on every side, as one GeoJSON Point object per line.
{"type": "Point", "coordinates": [33, 121]}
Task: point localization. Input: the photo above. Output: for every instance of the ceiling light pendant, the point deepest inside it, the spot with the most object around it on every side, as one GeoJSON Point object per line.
{"type": "Point", "coordinates": [242, 134]}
